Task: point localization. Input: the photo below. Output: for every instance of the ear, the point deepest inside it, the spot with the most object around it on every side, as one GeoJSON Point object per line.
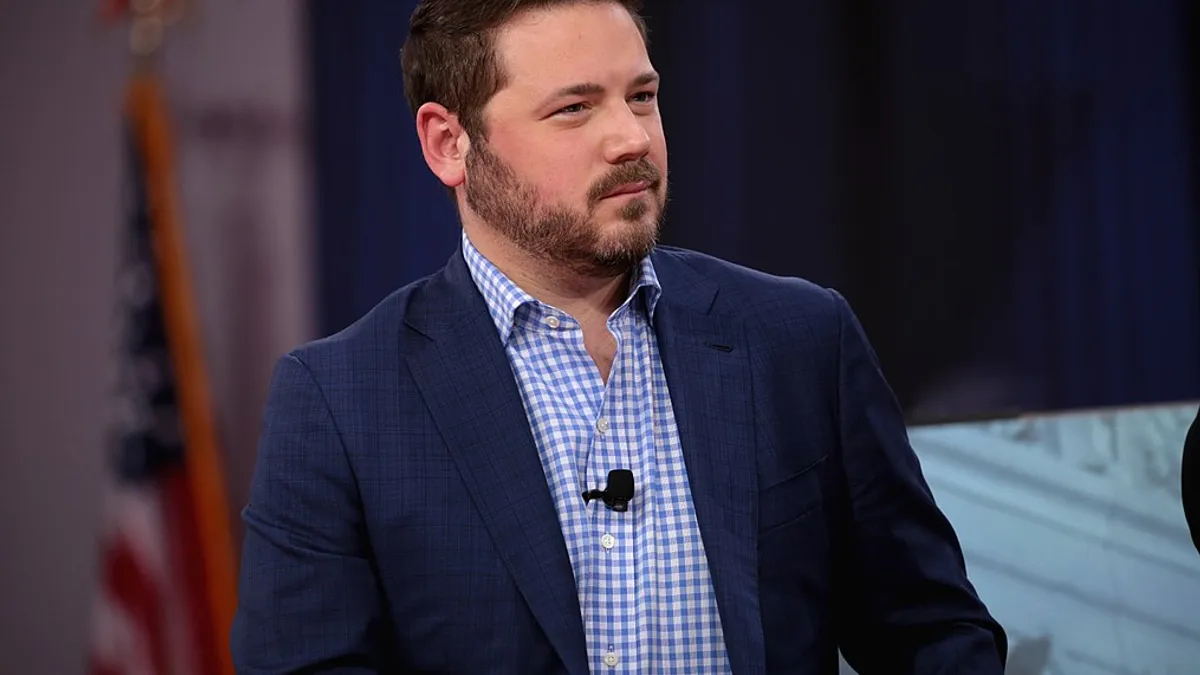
{"type": "Point", "coordinates": [443, 142]}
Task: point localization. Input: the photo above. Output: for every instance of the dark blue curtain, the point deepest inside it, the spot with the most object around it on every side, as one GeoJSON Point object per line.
{"type": "Point", "coordinates": [1098, 97]}
{"type": "Point", "coordinates": [382, 219]}
{"type": "Point", "coordinates": [1002, 188]}
{"type": "Point", "coordinates": [1040, 191]}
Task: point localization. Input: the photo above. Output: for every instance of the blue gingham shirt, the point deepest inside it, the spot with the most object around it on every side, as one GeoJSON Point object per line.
{"type": "Point", "coordinates": [643, 579]}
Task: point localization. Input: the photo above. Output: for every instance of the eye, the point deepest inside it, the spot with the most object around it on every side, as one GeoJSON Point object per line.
{"type": "Point", "coordinates": [645, 97]}
{"type": "Point", "coordinates": [573, 109]}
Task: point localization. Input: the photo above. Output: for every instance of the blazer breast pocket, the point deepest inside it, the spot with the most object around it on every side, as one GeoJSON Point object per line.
{"type": "Point", "coordinates": [790, 499]}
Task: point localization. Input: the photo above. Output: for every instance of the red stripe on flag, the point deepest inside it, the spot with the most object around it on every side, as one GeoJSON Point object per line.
{"type": "Point", "coordinates": [104, 669]}
{"type": "Point", "coordinates": [188, 556]}
{"type": "Point", "coordinates": [137, 594]}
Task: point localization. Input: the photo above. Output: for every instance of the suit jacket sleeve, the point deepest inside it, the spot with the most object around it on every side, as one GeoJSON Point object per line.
{"type": "Point", "coordinates": [911, 607]}
{"type": "Point", "coordinates": [308, 601]}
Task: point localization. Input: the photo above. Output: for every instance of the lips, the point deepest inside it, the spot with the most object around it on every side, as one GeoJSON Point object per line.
{"type": "Point", "coordinates": [628, 189]}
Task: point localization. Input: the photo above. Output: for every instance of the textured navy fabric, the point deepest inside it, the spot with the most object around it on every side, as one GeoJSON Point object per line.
{"type": "Point", "coordinates": [400, 519]}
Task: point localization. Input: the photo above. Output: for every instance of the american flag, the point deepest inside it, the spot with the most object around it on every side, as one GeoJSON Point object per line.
{"type": "Point", "coordinates": [165, 580]}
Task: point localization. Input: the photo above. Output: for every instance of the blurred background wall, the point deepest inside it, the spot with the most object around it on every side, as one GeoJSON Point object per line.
{"type": "Point", "coordinates": [62, 80]}
{"type": "Point", "coordinates": [237, 88]}
{"type": "Point", "coordinates": [1005, 190]}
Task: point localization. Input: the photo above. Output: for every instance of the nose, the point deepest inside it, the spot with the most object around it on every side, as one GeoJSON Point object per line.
{"type": "Point", "coordinates": [628, 141]}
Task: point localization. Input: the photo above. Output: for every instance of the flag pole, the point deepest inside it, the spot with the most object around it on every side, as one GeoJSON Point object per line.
{"type": "Point", "coordinates": [202, 497]}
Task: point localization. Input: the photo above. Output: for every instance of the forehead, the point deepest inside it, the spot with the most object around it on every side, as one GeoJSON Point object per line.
{"type": "Point", "coordinates": [566, 44]}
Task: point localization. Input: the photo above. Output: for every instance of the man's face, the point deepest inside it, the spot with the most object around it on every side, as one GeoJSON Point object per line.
{"type": "Point", "coordinates": [574, 166]}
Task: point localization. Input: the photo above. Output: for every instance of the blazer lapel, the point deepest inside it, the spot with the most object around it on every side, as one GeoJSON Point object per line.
{"type": "Point", "coordinates": [707, 364]}
{"type": "Point", "coordinates": [463, 373]}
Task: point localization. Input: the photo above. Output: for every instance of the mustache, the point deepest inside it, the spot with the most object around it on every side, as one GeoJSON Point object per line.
{"type": "Point", "coordinates": [633, 172]}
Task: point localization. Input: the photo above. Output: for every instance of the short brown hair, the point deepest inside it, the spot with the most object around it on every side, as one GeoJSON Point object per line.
{"type": "Point", "coordinates": [450, 56]}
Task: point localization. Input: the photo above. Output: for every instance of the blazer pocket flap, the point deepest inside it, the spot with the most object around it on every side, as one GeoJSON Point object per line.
{"type": "Point", "coordinates": [790, 498]}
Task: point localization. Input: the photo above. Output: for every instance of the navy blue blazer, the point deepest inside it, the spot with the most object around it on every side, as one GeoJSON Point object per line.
{"type": "Point", "coordinates": [399, 520]}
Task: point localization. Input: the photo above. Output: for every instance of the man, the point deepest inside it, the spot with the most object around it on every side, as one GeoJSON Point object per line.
{"type": "Point", "coordinates": [433, 485]}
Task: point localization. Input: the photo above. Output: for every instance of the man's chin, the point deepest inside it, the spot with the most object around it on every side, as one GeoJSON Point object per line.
{"type": "Point", "coordinates": [608, 264]}
{"type": "Point", "coordinates": [625, 253]}
{"type": "Point", "coordinates": [633, 236]}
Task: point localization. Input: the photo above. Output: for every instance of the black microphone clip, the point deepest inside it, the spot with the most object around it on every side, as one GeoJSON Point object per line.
{"type": "Point", "coordinates": [617, 493]}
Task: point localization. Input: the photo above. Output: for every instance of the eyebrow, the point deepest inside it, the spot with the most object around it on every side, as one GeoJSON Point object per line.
{"type": "Point", "coordinates": [592, 89]}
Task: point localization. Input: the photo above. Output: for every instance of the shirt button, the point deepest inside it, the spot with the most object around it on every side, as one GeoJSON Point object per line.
{"type": "Point", "coordinates": [608, 541]}
{"type": "Point", "coordinates": [602, 425]}
{"type": "Point", "coordinates": [611, 659]}
{"type": "Point", "coordinates": [553, 322]}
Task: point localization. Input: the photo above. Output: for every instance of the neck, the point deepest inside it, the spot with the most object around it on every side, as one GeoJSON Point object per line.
{"type": "Point", "coordinates": [587, 298]}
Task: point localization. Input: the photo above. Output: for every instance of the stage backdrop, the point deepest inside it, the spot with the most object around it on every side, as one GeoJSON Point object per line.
{"type": "Point", "coordinates": [1003, 189]}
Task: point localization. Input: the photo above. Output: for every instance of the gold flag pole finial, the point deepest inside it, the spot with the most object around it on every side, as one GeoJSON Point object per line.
{"type": "Point", "coordinates": [148, 21]}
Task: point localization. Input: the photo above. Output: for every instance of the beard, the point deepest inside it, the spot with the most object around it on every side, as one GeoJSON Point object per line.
{"type": "Point", "coordinates": [561, 235]}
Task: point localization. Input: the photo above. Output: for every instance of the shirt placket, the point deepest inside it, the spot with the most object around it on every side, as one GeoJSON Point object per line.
{"type": "Point", "coordinates": [640, 381]}
{"type": "Point", "coordinates": [612, 448]}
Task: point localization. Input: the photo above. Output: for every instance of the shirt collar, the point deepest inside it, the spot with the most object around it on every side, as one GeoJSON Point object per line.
{"type": "Point", "coordinates": [504, 298]}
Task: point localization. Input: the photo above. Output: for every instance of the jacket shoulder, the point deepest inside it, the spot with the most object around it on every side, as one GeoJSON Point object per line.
{"type": "Point", "coordinates": [754, 293]}
{"type": "Point", "coordinates": [374, 338]}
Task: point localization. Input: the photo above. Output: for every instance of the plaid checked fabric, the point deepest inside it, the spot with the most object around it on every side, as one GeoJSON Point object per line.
{"type": "Point", "coordinates": [643, 579]}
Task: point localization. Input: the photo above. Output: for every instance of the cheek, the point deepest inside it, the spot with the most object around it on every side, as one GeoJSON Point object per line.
{"type": "Point", "coordinates": [658, 145]}
{"type": "Point", "coordinates": [558, 176]}
{"type": "Point", "coordinates": [549, 167]}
